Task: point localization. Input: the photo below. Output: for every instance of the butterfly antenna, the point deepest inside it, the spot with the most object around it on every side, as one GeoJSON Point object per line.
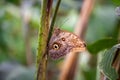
{"type": "Point", "coordinates": [64, 22]}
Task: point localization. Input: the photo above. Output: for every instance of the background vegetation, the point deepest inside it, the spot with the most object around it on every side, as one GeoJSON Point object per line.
{"type": "Point", "coordinates": [19, 22]}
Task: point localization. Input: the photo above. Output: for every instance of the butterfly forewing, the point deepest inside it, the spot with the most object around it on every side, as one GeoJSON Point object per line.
{"type": "Point", "coordinates": [63, 42]}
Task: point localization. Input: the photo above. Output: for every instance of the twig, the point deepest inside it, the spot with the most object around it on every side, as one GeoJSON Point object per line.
{"type": "Point", "coordinates": [70, 63]}
{"type": "Point", "coordinates": [53, 19]}
{"type": "Point", "coordinates": [25, 14]}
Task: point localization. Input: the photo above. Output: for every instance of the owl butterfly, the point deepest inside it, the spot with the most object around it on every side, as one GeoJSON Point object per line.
{"type": "Point", "coordinates": [63, 42]}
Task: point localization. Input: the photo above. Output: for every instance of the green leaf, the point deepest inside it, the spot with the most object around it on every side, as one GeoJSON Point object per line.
{"type": "Point", "coordinates": [116, 2]}
{"type": "Point", "coordinates": [106, 63]}
{"type": "Point", "coordinates": [101, 45]}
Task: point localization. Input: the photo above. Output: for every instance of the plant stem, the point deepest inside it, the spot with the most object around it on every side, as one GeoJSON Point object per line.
{"type": "Point", "coordinates": [53, 19]}
{"type": "Point", "coordinates": [70, 63]}
{"type": "Point", "coordinates": [41, 64]}
{"type": "Point", "coordinates": [44, 37]}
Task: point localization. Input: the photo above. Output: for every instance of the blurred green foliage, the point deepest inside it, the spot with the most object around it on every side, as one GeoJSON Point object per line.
{"type": "Point", "coordinates": [102, 31]}
{"type": "Point", "coordinates": [116, 2]}
{"type": "Point", "coordinates": [11, 32]}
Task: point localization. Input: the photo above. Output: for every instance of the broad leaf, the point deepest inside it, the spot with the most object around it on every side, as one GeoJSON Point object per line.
{"type": "Point", "coordinates": [101, 45]}
{"type": "Point", "coordinates": [106, 63]}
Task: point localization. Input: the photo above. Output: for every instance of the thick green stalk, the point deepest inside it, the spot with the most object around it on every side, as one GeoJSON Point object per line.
{"type": "Point", "coordinates": [43, 38]}
{"type": "Point", "coordinates": [42, 42]}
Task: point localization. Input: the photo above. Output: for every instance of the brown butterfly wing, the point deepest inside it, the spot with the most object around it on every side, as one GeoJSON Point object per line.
{"type": "Point", "coordinates": [63, 42]}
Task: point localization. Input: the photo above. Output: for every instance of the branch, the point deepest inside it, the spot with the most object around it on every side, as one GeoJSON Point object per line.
{"type": "Point", "coordinates": [70, 63]}
{"type": "Point", "coordinates": [54, 18]}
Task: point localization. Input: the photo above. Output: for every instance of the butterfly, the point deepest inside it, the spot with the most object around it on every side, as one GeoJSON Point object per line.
{"type": "Point", "coordinates": [63, 42]}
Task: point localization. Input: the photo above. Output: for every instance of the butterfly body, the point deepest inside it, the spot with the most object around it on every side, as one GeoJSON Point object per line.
{"type": "Point", "coordinates": [63, 42]}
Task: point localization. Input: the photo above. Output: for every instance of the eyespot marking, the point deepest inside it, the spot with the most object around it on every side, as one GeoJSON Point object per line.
{"type": "Point", "coordinates": [63, 39]}
{"type": "Point", "coordinates": [56, 46]}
